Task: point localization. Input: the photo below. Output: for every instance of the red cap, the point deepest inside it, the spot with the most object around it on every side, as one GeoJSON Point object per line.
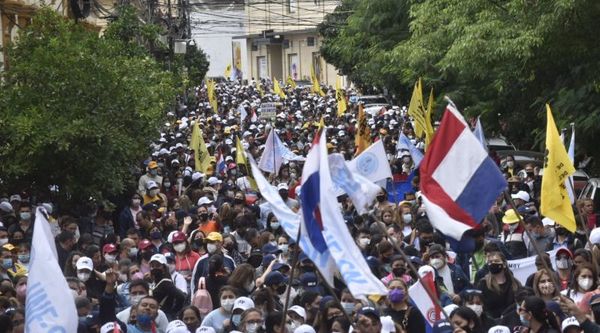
{"type": "Point", "coordinates": [144, 244]}
{"type": "Point", "coordinates": [178, 236]}
{"type": "Point", "coordinates": [109, 248]}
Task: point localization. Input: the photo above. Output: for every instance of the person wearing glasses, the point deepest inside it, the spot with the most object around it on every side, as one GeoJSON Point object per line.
{"type": "Point", "coordinates": [535, 316]}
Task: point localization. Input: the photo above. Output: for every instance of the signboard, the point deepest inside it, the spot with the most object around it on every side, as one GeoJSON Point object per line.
{"type": "Point", "coordinates": [268, 111]}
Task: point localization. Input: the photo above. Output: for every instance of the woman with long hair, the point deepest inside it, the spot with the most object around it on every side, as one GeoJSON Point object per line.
{"type": "Point", "coordinates": [498, 286]}
{"type": "Point", "coordinates": [242, 278]}
{"type": "Point", "coordinates": [465, 320]}
{"type": "Point", "coordinates": [535, 316]}
{"type": "Point", "coordinates": [543, 286]}
{"type": "Point", "coordinates": [584, 280]}
{"type": "Point", "coordinates": [407, 316]}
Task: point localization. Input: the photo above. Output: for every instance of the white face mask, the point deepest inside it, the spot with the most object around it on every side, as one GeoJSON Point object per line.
{"type": "Point", "coordinates": [562, 263]}
{"type": "Point", "coordinates": [292, 325]}
{"type": "Point", "coordinates": [283, 248]}
{"type": "Point", "coordinates": [477, 308]}
{"type": "Point", "coordinates": [585, 283]}
{"type": "Point", "coordinates": [109, 258]}
{"type": "Point", "coordinates": [133, 251]}
{"type": "Point", "coordinates": [407, 218]}
{"type": "Point", "coordinates": [227, 304]}
{"type": "Point", "coordinates": [179, 247]}
{"type": "Point", "coordinates": [364, 242]}
{"type": "Point", "coordinates": [3, 241]}
{"type": "Point", "coordinates": [348, 307]}
{"type": "Point", "coordinates": [135, 299]}
{"type": "Point", "coordinates": [211, 248]}
{"type": "Point", "coordinates": [510, 164]}
{"type": "Point", "coordinates": [437, 263]}
{"type": "Point", "coordinates": [83, 277]}
{"type": "Point", "coordinates": [252, 328]}
{"type": "Point", "coordinates": [275, 225]}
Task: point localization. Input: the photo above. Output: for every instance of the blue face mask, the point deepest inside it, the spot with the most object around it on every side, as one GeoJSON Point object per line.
{"type": "Point", "coordinates": [524, 321]}
{"type": "Point", "coordinates": [24, 258]}
{"type": "Point", "coordinates": [236, 319]}
{"type": "Point", "coordinates": [7, 263]}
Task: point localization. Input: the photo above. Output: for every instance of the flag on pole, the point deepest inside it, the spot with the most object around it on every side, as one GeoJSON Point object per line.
{"type": "Point", "coordinates": [277, 89]}
{"type": "Point", "coordinates": [372, 163]}
{"type": "Point", "coordinates": [275, 153]}
{"type": "Point", "coordinates": [478, 131]}
{"type": "Point", "coordinates": [243, 113]}
{"type": "Point", "coordinates": [571, 152]}
{"type": "Point", "coordinates": [428, 125]}
{"type": "Point", "coordinates": [291, 82]}
{"type": "Point", "coordinates": [557, 169]}
{"type": "Point", "coordinates": [459, 182]}
{"type": "Point", "coordinates": [260, 89]}
{"type": "Point", "coordinates": [242, 163]}
{"type": "Point", "coordinates": [363, 134]}
{"type": "Point", "coordinates": [417, 111]}
{"type": "Point", "coordinates": [49, 303]}
{"type": "Point", "coordinates": [212, 94]}
{"type": "Point", "coordinates": [227, 73]}
{"type": "Point", "coordinates": [325, 226]}
{"type": "Point", "coordinates": [197, 144]}
{"type": "Point", "coordinates": [221, 167]}
{"type": "Point", "coordinates": [361, 190]}
{"type": "Point", "coordinates": [404, 143]}
{"type": "Point", "coordinates": [316, 86]}
{"type": "Point", "coordinates": [340, 96]}
{"type": "Point", "coordinates": [418, 294]}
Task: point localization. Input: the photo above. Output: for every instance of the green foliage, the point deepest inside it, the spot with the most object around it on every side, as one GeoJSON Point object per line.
{"type": "Point", "coordinates": [500, 59]}
{"type": "Point", "coordinates": [196, 62]}
{"type": "Point", "coordinates": [77, 110]}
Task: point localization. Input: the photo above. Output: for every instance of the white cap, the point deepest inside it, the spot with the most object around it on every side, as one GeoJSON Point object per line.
{"type": "Point", "coordinates": [205, 329]}
{"type": "Point", "coordinates": [214, 181]}
{"type": "Point", "coordinates": [298, 310]}
{"type": "Point", "coordinates": [449, 308]}
{"type": "Point", "coordinates": [521, 195]}
{"type": "Point", "coordinates": [282, 186]}
{"type": "Point", "coordinates": [387, 324]}
{"type": "Point", "coordinates": [547, 222]}
{"type": "Point", "coordinates": [228, 141]}
{"type": "Point", "coordinates": [499, 329]}
{"type": "Point", "coordinates": [243, 303]}
{"type": "Point", "coordinates": [595, 236]}
{"type": "Point", "coordinates": [85, 263]}
{"type": "Point", "coordinates": [568, 322]}
{"type": "Point", "coordinates": [197, 175]}
{"type": "Point", "coordinates": [160, 258]}
{"type": "Point", "coordinates": [151, 184]}
{"type": "Point", "coordinates": [204, 201]}
{"type": "Point", "coordinates": [305, 329]}
{"type": "Point", "coordinates": [6, 207]}
{"type": "Point", "coordinates": [110, 327]}
{"type": "Point", "coordinates": [177, 326]}
{"type": "Point", "coordinates": [15, 197]}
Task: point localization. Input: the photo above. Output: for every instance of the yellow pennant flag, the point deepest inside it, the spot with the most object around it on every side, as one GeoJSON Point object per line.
{"type": "Point", "coordinates": [340, 96]}
{"type": "Point", "coordinates": [242, 163]}
{"type": "Point", "coordinates": [416, 109]}
{"type": "Point", "coordinates": [260, 89]}
{"type": "Point", "coordinates": [291, 82]}
{"type": "Point", "coordinates": [557, 168]}
{"type": "Point", "coordinates": [212, 94]}
{"type": "Point", "coordinates": [277, 89]}
{"type": "Point", "coordinates": [363, 134]}
{"type": "Point", "coordinates": [428, 125]}
{"type": "Point", "coordinates": [201, 156]}
{"type": "Point", "coordinates": [227, 71]}
{"type": "Point", "coordinates": [316, 86]}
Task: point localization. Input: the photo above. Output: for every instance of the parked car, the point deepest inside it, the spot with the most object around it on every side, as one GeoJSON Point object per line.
{"type": "Point", "coordinates": [498, 144]}
{"type": "Point", "coordinates": [590, 191]}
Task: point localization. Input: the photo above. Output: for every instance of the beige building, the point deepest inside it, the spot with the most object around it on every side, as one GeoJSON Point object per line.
{"type": "Point", "coordinates": [282, 40]}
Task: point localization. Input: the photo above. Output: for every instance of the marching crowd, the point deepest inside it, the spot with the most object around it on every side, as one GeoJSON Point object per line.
{"type": "Point", "coordinates": [203, 252]}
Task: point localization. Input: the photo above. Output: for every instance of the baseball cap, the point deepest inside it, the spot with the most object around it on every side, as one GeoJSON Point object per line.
{"type": "Point", "coordinates": [205, 329]}
{"type": "Point", "coordinates": [510, 217]}
{"type": "Point", "coordinates": [144, 244]}
{"type": "Point", "coordinates": [309, 281]}
{"type": "Point", "coordinates": [275, 277]}
{"type": "Point", "coordinates": [85, 263]}
{"type": "Point", "coordinates": [569, 322]}
{"type": "Point", "coordinates": [177, 326]}
{"type": "Point", "coordinates": [178, 236]}
{"type": "Point", "coordinates": [368, 310]}
{"type": "Point", "coordinates": [595, 236]}
{"type": "Point", "coordinates": [15, 197]}
{"type": "Point", "coordinates": [215, 237]}
{"type": "Point", "coordinates": [109, 248]}
{"type": "Point", "coordinates": [243, 303]}
{"type": "Point", "coordinates": [269, 248]}
{"type": "Point", "coordinates": [298, 310]}
{"type": "Point", "coordinates": [304, 329]}
{"type": "Point", "coordinates": [204, 201]}
{"type": "Point", "coordinates": [266, 260]}
{"type": "Point", "coordinates": [151, 184]}
{"type": "Point", "coordinates": [111, 327]}
{"type": "Point", "coordinates": [152, 165]}
{"type": "Point", "coordinates": [283, 186]}
{"type": "Point", "coordinates": [442, 326]}
{"type": "Point", "coordinates": [499, 329]}
{"type": "Point", "coordinates": [214, 181]}
{"type": "Point", "coordinates": [521, 195]}
{"type": "Point", "coordinates": [160, 258]}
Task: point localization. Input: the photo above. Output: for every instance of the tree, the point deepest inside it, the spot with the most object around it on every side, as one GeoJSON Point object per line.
{"type": "Point", "coordinates": [77, 110]}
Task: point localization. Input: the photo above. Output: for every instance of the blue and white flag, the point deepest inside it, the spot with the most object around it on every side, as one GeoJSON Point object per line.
{"type": "Point", "coordinates": [290, 222]}
{"type": "Point", "coordinates": [243, 114]}
{"type": "Point", "coordinates": [372, 163]}
{"type": "Point", "coordinates": [325, 226]}
{"type": "Point", "coordinates": [478, 131]}
{"type": "Point", "coordinates": [49, 305]}
{"type": "Point", "coordinates": [404, 143]}
{"type": "Point", "coordinates": [361, 191]}
{"type": "Point", "coordinates": [275, 153]}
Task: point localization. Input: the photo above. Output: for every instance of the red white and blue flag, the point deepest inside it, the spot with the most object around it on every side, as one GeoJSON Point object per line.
{"type": "Point", "coordinates": [459, 182]}
{"type": "Point", "coordinates": [220, 163]}
{"type": "Point", "coordinates": [428, 307]}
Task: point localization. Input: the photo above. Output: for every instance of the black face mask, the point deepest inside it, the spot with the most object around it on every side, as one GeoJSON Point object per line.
{"type": "Point", "coordinates": [281, 289]}
{"type": "Point", "coordinates": [203, 216]}
{"type": "Point", "coordinates": [561, 231]}
{"type": "Point", "coordinates": [495, 268]}
{"type": "Point", "coordinates": [238, 201]}
{"type": "Point", "coordinates": [157, 273]}
{"type": "Point", "coordinates": [381, 198]}
{"type": "Point", "coordinates": [398, 271]}
{"type": "Point", "coordinates": [284, 195]}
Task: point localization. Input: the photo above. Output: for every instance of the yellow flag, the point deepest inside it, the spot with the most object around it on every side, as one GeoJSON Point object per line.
{"type": "Point", "coordinates": [428, 126]}
{"type": "Point", "coordinates": [363, 134]}
{"type": "Point", "coordinates": [201, 156]}
{"type": "Point", "coordinates": [212, 94]}
{"type": "Point", "coordinates": [291, 82]}
{"type": "Point", "coordinates": [416, 109]}
{"type": "Point", "coordinates": [340, 96]}
{"type": "Point", "coordinates": [242, 163]}
{"type": "Point", "coordinates": [277, 89]}
{"type": "Point", "coordinates": [316, 86]}
{"type": "Point", "coordinates": [227, 71]}
{"type": "Point", "coordinates": [321, 124]}
{"type": "Point", "coordinates": [557, 168]}
{"type": "Point", "coordinates": [260, 89]}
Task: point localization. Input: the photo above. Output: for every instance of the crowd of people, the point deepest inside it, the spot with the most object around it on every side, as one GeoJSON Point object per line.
{"type": "Point", "coordinates": [203, 252]}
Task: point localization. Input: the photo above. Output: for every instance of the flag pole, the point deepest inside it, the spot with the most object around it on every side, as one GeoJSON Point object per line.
{"type": "Point", "coordinates": [539, 252]}
{"type": "Point", "coordinates": [411, 266]}
{"type": "Point", "coordinates": [292, 271]}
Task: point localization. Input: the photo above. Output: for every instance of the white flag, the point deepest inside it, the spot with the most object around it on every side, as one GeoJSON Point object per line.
{"type": "Point", "coordinates": [271, 159]}
{"type": "Point", "coordinates": [404, 143]}
{"type": "Point", "coordinates": [372, 163]}
{"type": "Point", "coordinates": [361, 190]}
{"type": "Point", "coordinates": [478, 131]}
{"type": "Point", "coordinates": [50, 306]}
{"type": "Point", "coordinates": [243, 114]}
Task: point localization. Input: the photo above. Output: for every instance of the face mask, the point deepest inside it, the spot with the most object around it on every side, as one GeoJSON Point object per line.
{"type": "Point", "coordinates": [437, 263]}
{"type": "Point", "coordinates": [381, 198]}
{"type": "Point", "coordinates": [510, 164]}
{"type": "Point", "coordinates": [109, 258]}
{"type": "Point", "coordinates": [179, 247]}
{"type": "Point", "coordinates": [477, 308]}
{"type": "Point", "coordinates": [203, 216]}
{"type": "Point", "coordinates": [133, 251]}
{"type": "Point", "coordinates": [547, 288]}
{"type": "Point", "coordinates": [135, 299]}
{"type": "Point", "coordinates": [513, 227]}
{"type": "Point", "coordinates": [236, 319]}
{"type": "Point", "coordinates": [562, 263]}
{"type": "Point", "coordinates": [144, 319]}
{"type": "Point", "coordinates": [585, 283]}
{"type": "Point", "coordinates": [348, 307]}
{"type": "Point", "coordinates": [83, 277]}
{"type": "Point", "coordinates": [292, 326]}
{"type": "Point", "coordinates": [7, 263]}
{"type": "Point", "coordinates": [252, 328]}
{"type": "Point", "coordinates": [153, 193]}
{"type": "Point", "coordinates": [396, 295]}
{"type": "Point", "coordinates": [238, 201]}
{"type": "Point", "coordinates": [25, 216]}
{"type": "Point", "coordinates": [495, 268]}
{"type": "Point", "coordinates": [281, 290]}
{"type": "Point", "coordinates": [227, 304]}
{"type": "Point", "coordinates": [524, 321]}
{"type": "Point", "coordinates": [211, 248]}
{"type": "Point", "coordinates": [275, 225]}
{"type": "Point", "coordinates": [136, 202]}
{"type": "Point", "coordinates": [153, 172]}
{"type": "Point", "coordinates": [122, 277]}
{"type": "Point", "coordinates": [155, 235]}
{"type": "Point", "coordinates": [157, 273]}
{"type": "Point", "coordinates": [284, 248]}
{"type": "Point", "coordinates": [3, 241]}
{"type": "Point", "coordinates": [364, 242]}
{"type": "Point", "coordinates": [398, 271]}
{"type": "Point", "coordinates": [407, 218]}
{"type": "Point", "coordinates": [167, 185]}
{"type": "Point", "coordinates": [171, 268]}
{"type": "Point", "coordinates": [24, 258]}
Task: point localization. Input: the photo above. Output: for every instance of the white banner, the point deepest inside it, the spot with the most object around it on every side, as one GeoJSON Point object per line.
{"type": "Point", "coordinates": [523, 268]}
{"type": "Point", "coordinates": [50, 306]}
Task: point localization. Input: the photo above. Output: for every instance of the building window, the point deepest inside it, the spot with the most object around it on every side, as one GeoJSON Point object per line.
{"type": "Point", "coordinates": [292, 6]}
{"type": "Point", "coordinates": [294, 66]}
{"type": "Point", "coordinates": [310, 41]}
{"type": "Point", "coordinates": [261, 66]}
